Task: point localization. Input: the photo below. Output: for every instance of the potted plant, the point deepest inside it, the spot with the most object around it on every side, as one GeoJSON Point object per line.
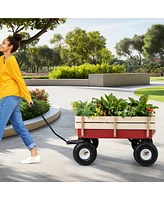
{"type": "Point", "coordinates": [111, 117]}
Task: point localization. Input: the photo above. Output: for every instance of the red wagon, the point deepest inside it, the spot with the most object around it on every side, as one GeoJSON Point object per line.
{"type": "Point", "coordinates": [138, 130]}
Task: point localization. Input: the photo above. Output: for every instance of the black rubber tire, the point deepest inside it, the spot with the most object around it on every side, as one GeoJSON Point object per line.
{"type": "Point", "coordinates": [84, 153]}
{"type": "Point", "coordinates": [136, 142]}
{"type": "Point", "coordinates": [93, 141]}
{"type": "Point", "coordinates": [146, 154]}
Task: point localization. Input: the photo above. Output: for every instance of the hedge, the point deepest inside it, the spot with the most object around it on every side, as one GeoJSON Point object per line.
{"type": "Point", "coordinates": [82, 71]}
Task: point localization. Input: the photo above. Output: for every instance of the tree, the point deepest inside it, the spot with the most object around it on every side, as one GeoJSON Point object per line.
{"type": "Point", "coordinates": [82, 47]}
{"type": "Point", "coordinates": [123, 48]}
{"type": "Point", "coordinates": [154, 45]}
{"type": "Point", "coordinates": [105, 56]}
{"type": "Point", "coordinates": [154, 41]}
{"type": "Point", "coordinates": [23, 59]}
{"type": "Point", "coordinates": [78, 43]}
{"type": "Point", "coordinates": [57, 40]}
{"type": "Point", "coordinates": [26, 36]}
{"type": "Point", "coordinates": [49, 57]}
{"type": "Point", "coordinates": [137, 44]}
{"type": "Point", "coordinates": [24, 52]}
{"type": "Point", "coordinates": [16, 25]}
{"type": "Point", "coordinates": [131, 49]}
{"type": "Point", "coordinates": [38, 59]}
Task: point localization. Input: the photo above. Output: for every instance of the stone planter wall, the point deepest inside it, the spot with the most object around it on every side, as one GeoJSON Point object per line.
{"type": "Point", "coordinates": [57, 82]}
{"type": "Point", "coordinates": [126, 79]}
{"type": "Point", "coordinates": [97, 80]}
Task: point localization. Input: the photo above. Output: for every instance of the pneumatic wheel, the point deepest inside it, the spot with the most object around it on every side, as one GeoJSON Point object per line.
{"type": "Point", "coordinates": [93, 141]}
{"type": "Point", "coordinates": [136, 142]}
{"type": "Point", "coordinates": [146, 154]}
{"type": "Point", "coordinates": [84, 153]}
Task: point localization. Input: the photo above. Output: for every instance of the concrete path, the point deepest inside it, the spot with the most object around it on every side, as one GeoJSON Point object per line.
{"type": "Point", "coordinates": [114, 162]}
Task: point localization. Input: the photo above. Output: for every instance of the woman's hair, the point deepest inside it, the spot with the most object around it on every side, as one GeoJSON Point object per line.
{"type": "Point", "coordinates": [15, 41]}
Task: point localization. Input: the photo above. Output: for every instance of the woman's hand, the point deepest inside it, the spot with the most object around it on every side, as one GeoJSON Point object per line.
{"type": "Point", "coordinates": [30, 103]}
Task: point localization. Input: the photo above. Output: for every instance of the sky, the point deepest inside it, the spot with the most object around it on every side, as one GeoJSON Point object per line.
{"type": "Point", "coordinates": [113, 29]}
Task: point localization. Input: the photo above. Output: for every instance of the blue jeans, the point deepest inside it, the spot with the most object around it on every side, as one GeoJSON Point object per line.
{"type": "Point", "coordinates": [10, 109]}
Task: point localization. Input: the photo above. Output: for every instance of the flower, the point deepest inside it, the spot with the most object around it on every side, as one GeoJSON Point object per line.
{"type": "Point", "coordinates": [150, 110]}
{"type": "Point", "coordinates": [39, 94]}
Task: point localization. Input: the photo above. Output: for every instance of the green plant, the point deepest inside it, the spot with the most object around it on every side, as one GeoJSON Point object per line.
{"type": "Point", "coordinates": [39, 94]}
{"type": "Point", "coordinates": [41, 99]}
{"type": "Point", "coordinates": [82, 71]}
{"type": "Point", "coordinates": [83, 108]}
{"type": "Point", "coordinates": [112, 106]}
{"type": "Point", "coordinates": [29, 113]}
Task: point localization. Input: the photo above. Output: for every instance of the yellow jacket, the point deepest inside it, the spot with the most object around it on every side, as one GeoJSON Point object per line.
{"type": "Point", "coordinates": [11, 80]}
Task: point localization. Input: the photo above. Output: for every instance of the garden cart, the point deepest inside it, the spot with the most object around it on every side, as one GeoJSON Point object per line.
{"type": "Point", "coordinates": [138, 130]}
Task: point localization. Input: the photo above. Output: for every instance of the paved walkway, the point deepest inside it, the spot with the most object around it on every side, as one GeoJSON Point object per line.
{"type": "Point", "coordinates": [114, 162]}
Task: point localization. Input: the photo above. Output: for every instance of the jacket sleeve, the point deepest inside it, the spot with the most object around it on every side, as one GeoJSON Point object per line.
{"type": "Point", "coordinates": [15, 73]}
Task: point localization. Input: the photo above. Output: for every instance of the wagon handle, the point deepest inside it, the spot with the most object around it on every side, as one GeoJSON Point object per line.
{"type": "Point", "coordinates": [36, 107]}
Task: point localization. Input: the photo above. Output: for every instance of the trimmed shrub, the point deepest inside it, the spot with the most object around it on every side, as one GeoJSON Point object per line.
{"type": "Point", "coordinates": [82, 71]}
{"type": "Point", "coordinates": [29, 113]}
{"type": "Point", "coordinates": [41, 99]}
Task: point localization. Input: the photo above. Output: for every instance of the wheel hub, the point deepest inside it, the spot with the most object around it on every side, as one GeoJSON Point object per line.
{"type": "Point", "coordinates": [84, 153]}
{"type": "Point", "coordinates": [146, 154]}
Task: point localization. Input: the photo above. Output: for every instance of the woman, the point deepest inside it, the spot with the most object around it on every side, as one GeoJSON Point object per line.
{"type": "Point", "coordinates": [12, 89]}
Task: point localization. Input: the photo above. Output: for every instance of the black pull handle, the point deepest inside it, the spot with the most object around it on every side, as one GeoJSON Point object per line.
{"type": "Point", "coordinates": [36, 107]}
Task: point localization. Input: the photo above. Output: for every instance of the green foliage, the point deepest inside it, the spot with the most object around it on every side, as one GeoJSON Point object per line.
{"type": "Point", "coordinates": [82, 71]}
{"type": "Point", "coordinates": [41, 99]}
{"type": "Point", "coordinates": [154, 41]}
{"type": "Point", "coordinates": [38, 59]}
{"type": "Point", "coordinates": [29, 113]}
{"type": "Point", "coordinates": [123, 47]}
{"type": "Point", "coordinates": [83, 108]}
{"type": "Point", "coordinates": [26, 23]}
{"type": "Point", "coordinates": [83, 47]}
{"type": "Point", "coordinates": [126, 47]}
{"type": "Point", "coordinates": [16, 25]}
{"type": "Point", "coordinates": [112, 106]}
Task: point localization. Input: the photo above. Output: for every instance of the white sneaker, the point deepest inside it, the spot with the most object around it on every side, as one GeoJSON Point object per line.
{"type": "Point", "coordinates": [31, 160]}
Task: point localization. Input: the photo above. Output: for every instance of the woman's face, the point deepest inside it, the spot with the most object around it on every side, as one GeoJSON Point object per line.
{"type": "Point", "coordinates": [5, 46]}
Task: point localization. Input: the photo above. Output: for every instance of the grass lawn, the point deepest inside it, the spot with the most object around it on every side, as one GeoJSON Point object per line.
{"type": "Point", "coordinates": [159, 78]}
{"type": "Point", "coordinates": [155, 93]}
